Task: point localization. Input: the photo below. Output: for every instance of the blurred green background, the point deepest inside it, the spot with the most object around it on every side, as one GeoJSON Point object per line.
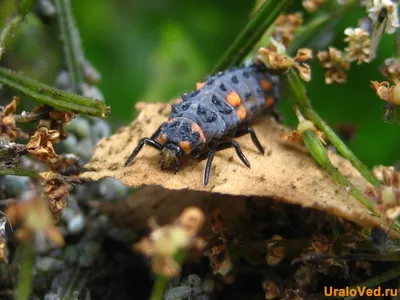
{"type": "Point", "coordinates": [155, 50]}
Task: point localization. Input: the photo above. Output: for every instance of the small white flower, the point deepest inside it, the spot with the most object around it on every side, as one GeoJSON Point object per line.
{"type": "Point", "coordinates": [381, 9]}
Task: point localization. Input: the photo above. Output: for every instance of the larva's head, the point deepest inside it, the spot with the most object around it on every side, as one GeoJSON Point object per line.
{"type": "Point", "coordinates": [179, 137]}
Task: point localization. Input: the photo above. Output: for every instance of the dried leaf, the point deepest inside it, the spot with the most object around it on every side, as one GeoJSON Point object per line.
{"type": "Point", "coordinates": [285, 172]}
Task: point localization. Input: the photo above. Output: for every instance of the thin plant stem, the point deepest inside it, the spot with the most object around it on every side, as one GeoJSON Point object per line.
{"type": "Point", "coordinates": [161, 281]}
{"type": "Point", "coordinates": [299, 96]}
{"type": "Point", "coordinates": [53, 97]}
{"type": "Point", "coordinates": [352, 190]}
{"type": "Point", "coordinates": [263, 18]}
{"type": "Point", "coordinates": [308, 31]}
{"type": "Point", "coordinates": [7, 31]}
{"type": "Point", "coordinates": [13, 24]}
{"type": "Point", "coordinates": [310, 114]}
{"type": "Point", "coordinates": [19, 172]}
{"type": "Point", "coordinates": [27, 257]}
{"type": "Point", "coordinates": [71, 43]}
{"type": "Point", "coordinates": [382, 278]}
{"type": "Point", "coordinates": [159, 287]}
{"type": "Point", "coordinates": [397, 43]}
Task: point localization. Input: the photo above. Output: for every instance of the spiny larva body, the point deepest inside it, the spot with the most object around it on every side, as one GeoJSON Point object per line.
{"type": "Point", "coordinates": [219, 109]}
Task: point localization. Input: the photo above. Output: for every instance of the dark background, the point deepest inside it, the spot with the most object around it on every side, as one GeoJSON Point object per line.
{"type": "Point", "coordinates": [155, 50]}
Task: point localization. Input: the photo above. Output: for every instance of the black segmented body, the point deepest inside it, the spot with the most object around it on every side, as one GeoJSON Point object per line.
{"type": "Point", "coordinates": [219, 108]}
{"type": "Point", "coordinates": [209, 108]}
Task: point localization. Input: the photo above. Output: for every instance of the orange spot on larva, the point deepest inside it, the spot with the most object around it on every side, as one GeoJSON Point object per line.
{"type": "Point", "coordinates": [241, 112]}
{"type": "Point", "coordinates": [199, 85]}
{"type": "Point", "coordinates": [196, 128]}
{"type": "Point", "coordinates": [185, 146]}
{"type": "Point", "coordinates": [233, 99]}
{"type": "Point", "coordinates": [266, 85]}
{"type": "Point", "coordinates": [269, 101]}
{"type": "Point", "coordinates": [164, 139]}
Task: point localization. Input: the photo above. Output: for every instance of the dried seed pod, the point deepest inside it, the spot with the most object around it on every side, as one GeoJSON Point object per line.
{"type": "Point", "coordinates": [275, 252]}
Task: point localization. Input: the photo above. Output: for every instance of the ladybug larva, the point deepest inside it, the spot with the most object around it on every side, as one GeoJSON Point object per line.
{"type": "Point", "coordinates": [221, 108]}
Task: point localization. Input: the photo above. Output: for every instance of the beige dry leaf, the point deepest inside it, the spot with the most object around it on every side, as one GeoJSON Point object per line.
{"type": "Point", "coordinates": [285, 172]}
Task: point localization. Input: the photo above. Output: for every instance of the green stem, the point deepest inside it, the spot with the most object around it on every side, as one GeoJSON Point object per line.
{"type": "Point", "coordinates": [27, 258]}
{"type": "Point", "coordinates": [378, 280]}
{"type": "Point", "coordinates": [7, 31]}
{"type": "Point", "coordinates": [308, 31]}
{"type": "Point", "coordinates": [159, 287]}
{"type": "Point", "coordinates": [298, 94]}
{"type": "Point", "coordinates": [71, 42]}
{"type": "Point", "coordinates": [264, 17]}
{"type": "Point", "coordinates": [318, 151]}
{"type": "Point", "coordinates": [317, 24]}
{"type": "Point", "coordinates": [161, 281]}
{"type": "Point", "coordinates": [356, 193]}
{"type": "Point", "coordinates": [310, 114]}
{"type": "Point", "coordinates": [397, 43]}
{"type": "Point", "coordinates": [53, 97]}
{"type": "Point", "coordinates": [24, 7]}
{"type": "Point", "coordinates": [19, 172]}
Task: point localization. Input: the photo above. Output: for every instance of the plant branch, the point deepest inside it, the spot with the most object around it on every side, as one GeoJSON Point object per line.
{"type": "Point", "coordinates": [71, 43]}
{"type": "Point", "coordinates": [18, 172]}
{"type": "Point", "coordinates": [161, 281]}
{"type": "Point", "coordinates": [27, 257]}
{"type": "Point", "coordinates": [263, 18]}
{"type": "Point", "coordinates": [378, 280]}
{"type": "Point", "coordinates": [308, 31]}
{"type": "Point", "coordinates": [13, 24]}
{"type": "Point", "coordinates": [53, 97]}
{"type": "Point", "coordinates": [298, 94]}
{"type": "Point", "coordinates": [318, 151]}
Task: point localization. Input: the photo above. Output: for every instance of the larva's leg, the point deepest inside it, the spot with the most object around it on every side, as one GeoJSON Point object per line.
{"type": "Point", "coordinates": [219, 147]}
{"type": "Point", "coordinates": [242, 131]}
{"type": "Point", "coordinates": [139, 147]}
{"type": "Point", "coordinates": [207, 170]}
{"type": "Point", "coordinates": [233, 144]}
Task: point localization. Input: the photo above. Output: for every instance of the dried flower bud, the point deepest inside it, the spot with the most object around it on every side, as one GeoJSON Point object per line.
{"type": "Point", "coordinates": [40, 144]}
{"type": "Point", "coordinates": [386, 196]}
{"type": "Point", "coordinates": [7, 122]}
{"type": "Point", "coordinates": [64, 117]}
{"type": "Point", "coordinates": [66, 164]}
{"type": "Point", "coordinates": [303, 54]}
{"type": "Point", "coordinates": [169, 239]}
{"type": "Point", "coordinates": [335, 64]}
{"type": "Point", "coordinates": [217, 223]}
{"type": "Point", "coordinates": [320, 244]}
{"type": "Point", "coordinates": [312, 5]}
{"type": "Point", "coordinates": [220, 260]}
{"type": "Point", "coordinates": [359, 45]}
{"type": "Point", "coordinates": [275, 252]}
{"type": "Point", "coordinates": [391, 68]}
{"type": "Point", "coordinates": [304, 71]}
{"type": "Point", "coordinates": [56, 191]}
{"type": "Point", "coordinates": [387, 175]}
{"type": "Point", "coordinates": [165, 242]}
{"type": "Point", "coordinates": [191, 219]}
{"type": "Point", "coordinates": [386, 92]}
{"type": "Point", "coordinates": [36, 221]}
{"type": "Point", "coordinates": [271, 289]}
{"type": "Point", "coordinates": [165, 265]}
{"type": "Point", "coordinates": [285, 27]}
{"type": "Point", "coordinates": [275, 58]}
